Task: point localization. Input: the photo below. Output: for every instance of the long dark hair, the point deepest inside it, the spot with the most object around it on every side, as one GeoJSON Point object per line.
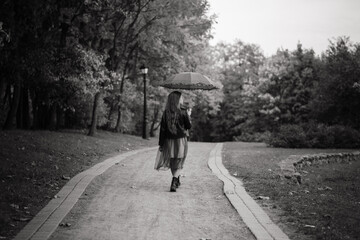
{"type": "Point", "coordinates": [172, 110]}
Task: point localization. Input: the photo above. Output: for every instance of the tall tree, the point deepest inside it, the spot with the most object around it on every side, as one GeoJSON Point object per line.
{"type": "Point", "coordinates": [337, 98]}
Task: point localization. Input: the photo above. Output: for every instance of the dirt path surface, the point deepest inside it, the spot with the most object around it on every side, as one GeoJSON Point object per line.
{"type": "Point", "coordinates": [132, 201]}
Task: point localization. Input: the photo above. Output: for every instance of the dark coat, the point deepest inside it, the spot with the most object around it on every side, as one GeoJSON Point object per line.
{"type": "Point", "coordinates": [183, 124]}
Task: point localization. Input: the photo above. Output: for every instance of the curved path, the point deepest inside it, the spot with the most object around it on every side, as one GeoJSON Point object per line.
{"type": "Point", "coordinates": [124, 198]}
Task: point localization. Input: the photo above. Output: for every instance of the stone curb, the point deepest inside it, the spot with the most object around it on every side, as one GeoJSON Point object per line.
{"type": "Point", "coordinates": [48, 219]}
{"type": "Point", "coordinates": [251, 213]}
{"type": "Point", "coordinates": [291, 166]}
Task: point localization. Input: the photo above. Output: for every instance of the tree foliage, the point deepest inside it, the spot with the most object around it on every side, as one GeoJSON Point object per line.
{"type": "Point", "coordinates": [58, 55]}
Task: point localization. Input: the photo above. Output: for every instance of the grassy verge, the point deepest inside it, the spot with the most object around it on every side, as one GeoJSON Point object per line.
{"type": "Point", "coordinates": [35, 165]}
{"type": "Point", "coordinates": [325, 206]}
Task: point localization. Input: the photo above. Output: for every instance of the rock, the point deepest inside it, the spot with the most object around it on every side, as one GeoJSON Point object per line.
{"type": "Point", "coordinates": [65, 224]}
{"type": "Point", "coordinates": [262, 198]}
{"type": "Point", "coordinates": [65, 177]}
{"type": "Point", "coordinates": [298, 177]}
{"type": "Point", "coordinates": [288, 176]}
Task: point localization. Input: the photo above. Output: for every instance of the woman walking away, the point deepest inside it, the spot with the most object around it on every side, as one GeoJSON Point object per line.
{"type": "Point", "coordinates": [173, 143]}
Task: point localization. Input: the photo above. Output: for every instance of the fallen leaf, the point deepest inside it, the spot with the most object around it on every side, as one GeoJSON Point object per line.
{"type": "Point", "coordinates": [22, 219]}
{"type": "Point", "coordinates": [309, 226]}
{"type": "Point", "coordinates": [14, 206]}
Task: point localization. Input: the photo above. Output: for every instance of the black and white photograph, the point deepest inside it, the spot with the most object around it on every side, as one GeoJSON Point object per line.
{"type": "Point", "coordinates": [179, 119]}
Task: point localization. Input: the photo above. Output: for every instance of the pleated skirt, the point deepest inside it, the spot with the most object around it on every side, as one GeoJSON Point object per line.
{"type": "Point", "coordinates": [173, 154]}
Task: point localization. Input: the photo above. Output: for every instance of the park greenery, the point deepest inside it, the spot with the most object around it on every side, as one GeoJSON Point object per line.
{"type": "Point", "coordinates": [76, 64]}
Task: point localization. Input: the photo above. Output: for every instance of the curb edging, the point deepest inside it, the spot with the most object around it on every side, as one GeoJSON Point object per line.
{"type": "Point", "coordinates": [48, 219]}
{"type": "Point", "coordinates": [251, 213]}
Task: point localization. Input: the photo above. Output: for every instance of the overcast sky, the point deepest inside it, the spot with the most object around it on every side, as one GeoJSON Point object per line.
{"type": "Point", "coordinates": [274, 24]}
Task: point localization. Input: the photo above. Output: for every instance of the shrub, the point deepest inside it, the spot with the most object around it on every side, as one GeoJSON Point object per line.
{"type": "Point", "coordinates": [291, 136]}
{"type": "Point", "coordinates": [253, 137]}
{"type": "Point", "coordinates": [318, 135]}
{"type": "Point", "coordinates": [344, 137]}
{"type": "Point", "coordinates": [315, 135]}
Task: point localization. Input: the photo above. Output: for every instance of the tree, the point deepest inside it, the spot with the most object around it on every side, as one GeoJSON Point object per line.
{"type": "Point", "coordinates": [286, 86]}
{"type": "Point", "coordinates": [239, 64]}
{"type": "Point", "coordinates": [337, 98]}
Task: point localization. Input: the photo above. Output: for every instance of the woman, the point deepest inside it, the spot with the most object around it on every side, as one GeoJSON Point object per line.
{"type": "Point", "coordinates": [173, 143]}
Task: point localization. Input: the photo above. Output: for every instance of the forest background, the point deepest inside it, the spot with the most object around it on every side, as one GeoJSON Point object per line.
{"type": "Point", "coordinates": [76, 64]}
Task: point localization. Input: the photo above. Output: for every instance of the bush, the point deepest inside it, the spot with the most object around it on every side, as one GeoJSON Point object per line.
{"type": "Point", "coordinates": [314, 135]}
{"type": "Point", "coordinates": [253, 137]}
{"type": "Point", "coordinates": [344, 137]}
{"type": "Point", "coordinates": [318, 135]}
{"type": "Point", "coordinates": [291, 136]}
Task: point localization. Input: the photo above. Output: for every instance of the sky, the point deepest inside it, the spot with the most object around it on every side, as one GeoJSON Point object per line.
{"type": "Point", "coordinates": [274, 24]}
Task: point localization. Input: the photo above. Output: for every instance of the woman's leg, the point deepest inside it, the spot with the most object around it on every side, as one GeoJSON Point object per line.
{"type": "Point", "coordinates": [174, 166]}
{"type": "Point", "coordinates": [177, 173]}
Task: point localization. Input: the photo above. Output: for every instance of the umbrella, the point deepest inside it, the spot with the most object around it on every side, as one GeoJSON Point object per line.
{"type": "Point", "coordinates": [189, 81]}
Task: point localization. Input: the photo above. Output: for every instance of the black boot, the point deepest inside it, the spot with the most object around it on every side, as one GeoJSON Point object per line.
{"type": "Point", "coordinates": [173, 185]}
{"type": "Point", "coordinates": [178, 181]}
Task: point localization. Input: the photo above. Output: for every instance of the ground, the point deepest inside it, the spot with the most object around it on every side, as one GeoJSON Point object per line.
{"type": "Point", "coordinates": [36, 164]}
{"type": "Point", "coordinates": [132, 201]}
{"type": "Point", "coordinates": [325, 206]}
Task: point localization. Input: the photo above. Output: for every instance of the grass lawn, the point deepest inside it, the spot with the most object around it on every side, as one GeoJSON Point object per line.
{"type": "Point", "coordinates": [35, 165]}
{"type": "Point", "coordinates": [325, 206]}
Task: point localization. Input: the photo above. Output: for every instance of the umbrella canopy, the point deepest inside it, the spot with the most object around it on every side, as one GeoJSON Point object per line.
{"type": "Point", "coordinates": [189, 81]}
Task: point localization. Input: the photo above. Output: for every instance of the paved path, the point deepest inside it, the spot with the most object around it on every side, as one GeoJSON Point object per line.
{"type": "Point", "coordinates": [125, 198]}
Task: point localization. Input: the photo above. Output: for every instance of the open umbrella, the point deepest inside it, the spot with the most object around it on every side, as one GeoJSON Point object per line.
{"type": "Point", "coordinates": [189, 81]}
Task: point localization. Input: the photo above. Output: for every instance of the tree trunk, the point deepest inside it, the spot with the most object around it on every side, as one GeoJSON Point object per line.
{"type": "Point", "coordinates": [53, 118]}
{"type": "Point", "coordinates": [60, 118]}
{"type": "Point", "coordinates": [153, 122]}
{"type": "Point", "coordinates": [26, 109]}
{"type": "Point", "coordinates": [118, 122]}
{"type": "Point", "coordinates": [92, 129]}
{"type": "Point", "coordinates": [35, 110]}
{"type": "Point", "coordinates": [11, 117]}
{"type": "Point", "coordinates": [20, 111]}
{"type": "Point", "coordinates": [108, 124]}
{"type": "Point", "coordinates": [2, 90]}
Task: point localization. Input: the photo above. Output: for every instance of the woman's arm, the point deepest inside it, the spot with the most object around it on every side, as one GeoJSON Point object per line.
{"type": "Point", "coordinates": [187, 120]}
